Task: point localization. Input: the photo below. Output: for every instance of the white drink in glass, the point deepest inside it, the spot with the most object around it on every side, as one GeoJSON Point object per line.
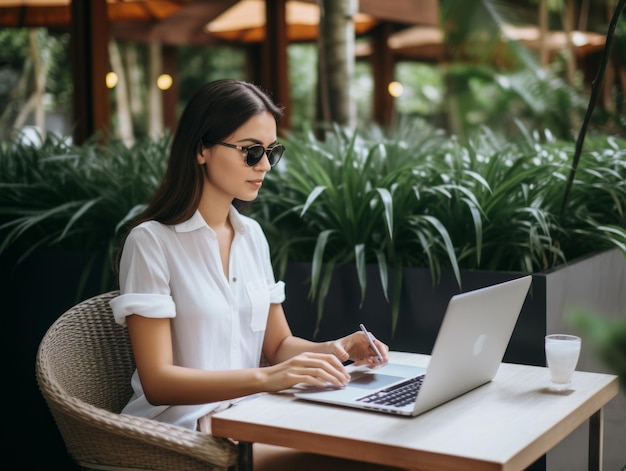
{"type": "Point", "coordinates": [562, 352]}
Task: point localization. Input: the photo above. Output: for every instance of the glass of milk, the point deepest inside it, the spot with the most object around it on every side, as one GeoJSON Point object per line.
{"type": "Point", "coordinates": [562, 352]}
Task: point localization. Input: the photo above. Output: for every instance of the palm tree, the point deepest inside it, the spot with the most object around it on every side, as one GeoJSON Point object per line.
{"type": "Point", "coordinates": [336, 62]}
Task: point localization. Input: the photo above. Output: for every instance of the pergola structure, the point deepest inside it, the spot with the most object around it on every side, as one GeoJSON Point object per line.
{"type": "Point", "coordinates": [173, 23]}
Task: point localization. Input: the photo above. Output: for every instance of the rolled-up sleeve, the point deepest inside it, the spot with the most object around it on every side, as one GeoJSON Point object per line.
{"type": "Point", "coordinates": [144, 279]}
{"type": "Point", "coordinates": [277, 292]}
{"type": "Point", "coordinates": [146, 305]}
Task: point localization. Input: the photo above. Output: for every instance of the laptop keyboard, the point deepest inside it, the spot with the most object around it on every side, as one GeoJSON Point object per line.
{"type": "Point", "coordinates": [398, 395]}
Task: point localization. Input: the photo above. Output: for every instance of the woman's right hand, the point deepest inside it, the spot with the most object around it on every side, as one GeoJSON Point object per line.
{"type": "Point", "coordinates": [315, 369]}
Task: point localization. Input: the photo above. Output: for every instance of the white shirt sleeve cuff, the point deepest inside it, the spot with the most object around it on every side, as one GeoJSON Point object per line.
{"type": "Point", "coordinates": [147, 305]}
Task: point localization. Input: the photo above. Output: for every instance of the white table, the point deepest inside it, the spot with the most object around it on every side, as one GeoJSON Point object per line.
{"type": "Point", "coordinates": [505, 425]}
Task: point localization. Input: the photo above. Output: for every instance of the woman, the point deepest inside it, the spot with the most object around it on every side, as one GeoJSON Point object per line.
{"type": "Point", "coordinates": [198, 294]}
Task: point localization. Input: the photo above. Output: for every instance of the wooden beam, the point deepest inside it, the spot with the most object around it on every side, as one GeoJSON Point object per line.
{"type": "Point", "coordinates": [382, 71]}
{"type": "Point", "coordinates": [275, 66]}
{"type": "Point", "coordinates": [90, 63]}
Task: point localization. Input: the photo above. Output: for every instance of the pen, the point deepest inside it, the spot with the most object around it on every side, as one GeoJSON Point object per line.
{"type": "Point", "coordinates": [369, 339]}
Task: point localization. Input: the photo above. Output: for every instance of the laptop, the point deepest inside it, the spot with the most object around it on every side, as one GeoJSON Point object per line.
{"type": "Point", "coordinates": [473, 337]}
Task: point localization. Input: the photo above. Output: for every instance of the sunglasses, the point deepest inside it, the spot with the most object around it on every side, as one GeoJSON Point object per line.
{"type": "Point", "coordinates": [254, 153]}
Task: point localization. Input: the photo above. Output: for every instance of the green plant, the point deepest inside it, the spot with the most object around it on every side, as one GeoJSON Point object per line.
{"type": "Point", "coordinates": [415, 197]}
{"type": "Point", "coordinates": [607, 337]}
{"type": "Point", "coordinates": [76, 197]}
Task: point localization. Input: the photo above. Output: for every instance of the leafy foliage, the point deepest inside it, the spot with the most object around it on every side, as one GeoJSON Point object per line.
{"type": "Point", "coordinates": [416, 197]}
{"type": "Point", "coordinates": [74, 197]}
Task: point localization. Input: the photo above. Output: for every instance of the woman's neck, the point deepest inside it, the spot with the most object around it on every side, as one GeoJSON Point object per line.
{"type": "Point", "coordinates": [215, 212]}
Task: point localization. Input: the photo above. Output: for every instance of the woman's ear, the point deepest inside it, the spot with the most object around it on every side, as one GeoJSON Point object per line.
{"type": "Point", "coordinates": [200, 155]}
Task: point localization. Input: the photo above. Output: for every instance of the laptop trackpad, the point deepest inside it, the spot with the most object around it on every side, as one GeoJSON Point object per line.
{"type": "Point", "coordinates": [373, 380]}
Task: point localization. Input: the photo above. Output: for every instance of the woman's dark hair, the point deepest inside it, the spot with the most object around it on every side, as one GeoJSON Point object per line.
{"type": "Point", "coordinates": [216, 111]}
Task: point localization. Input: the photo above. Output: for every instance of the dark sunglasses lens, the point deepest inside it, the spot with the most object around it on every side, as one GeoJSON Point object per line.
{"type": "Point", "coordinates": [254, 155]}
{"type": "Point", "coordinates": [275, 154]}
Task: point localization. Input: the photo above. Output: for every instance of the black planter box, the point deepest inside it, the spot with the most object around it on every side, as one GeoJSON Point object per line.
{"type": "Point", "coordinates": [422, 307]}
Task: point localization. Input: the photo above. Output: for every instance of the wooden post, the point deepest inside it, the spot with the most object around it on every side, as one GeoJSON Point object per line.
{"type": "Point", "coordinates": [275, 66]}
{"type": "Point", "coordinates": [90, 63]}
{"type": "Point", "coordinates": [382, 71]}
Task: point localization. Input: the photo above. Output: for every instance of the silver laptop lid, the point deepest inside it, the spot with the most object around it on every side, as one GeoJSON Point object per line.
{"type": "Point", "coordinates": [472, 340]}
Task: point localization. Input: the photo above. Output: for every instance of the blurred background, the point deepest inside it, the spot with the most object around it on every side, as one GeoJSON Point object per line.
{"type": "Point", "coordinates": [128, 67]}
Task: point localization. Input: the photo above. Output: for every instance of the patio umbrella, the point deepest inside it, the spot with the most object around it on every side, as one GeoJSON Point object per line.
{"type": "Point", "coordinates": [427, 42]}
{"type": "Point", "coordinates": [244, 22]}
{"type": "Point", "coordinates": [56, 14]}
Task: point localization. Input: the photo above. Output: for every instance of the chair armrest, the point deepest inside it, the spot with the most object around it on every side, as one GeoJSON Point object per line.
{"type": "Point", "coordinates": [201, 446]}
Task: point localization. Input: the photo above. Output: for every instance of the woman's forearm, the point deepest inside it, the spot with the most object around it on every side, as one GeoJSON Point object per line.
{"type": "Point", "coordinates": [292, 346]}
{"type": "Point", "coordinates": [186, 386]}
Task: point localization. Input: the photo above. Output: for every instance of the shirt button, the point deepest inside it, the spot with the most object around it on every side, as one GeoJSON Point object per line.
{"type": "Point", "coordinates": [234, 279]}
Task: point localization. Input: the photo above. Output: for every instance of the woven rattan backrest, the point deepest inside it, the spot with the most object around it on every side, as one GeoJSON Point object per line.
{"type": "Point", "coordinates": [86, 355]}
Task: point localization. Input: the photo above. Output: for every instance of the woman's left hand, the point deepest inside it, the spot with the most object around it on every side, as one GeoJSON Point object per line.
{"type": "Point", "coordinates": [356, 347]}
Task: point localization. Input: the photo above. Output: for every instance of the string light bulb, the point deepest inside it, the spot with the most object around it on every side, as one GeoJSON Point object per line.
{"type": "Point", "coordinates": [111, 79]}
{"type": "Point", "coordinates": [395, 89]}
{"type": "Point", "coordinates": [164, 82]}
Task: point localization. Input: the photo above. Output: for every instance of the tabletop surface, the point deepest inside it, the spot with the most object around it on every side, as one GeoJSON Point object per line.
{"type": "Point", "coordinates": [505, 424]}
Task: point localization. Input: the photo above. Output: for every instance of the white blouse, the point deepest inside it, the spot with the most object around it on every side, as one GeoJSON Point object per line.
{"type": "Point", "coordinates": [217, 323]}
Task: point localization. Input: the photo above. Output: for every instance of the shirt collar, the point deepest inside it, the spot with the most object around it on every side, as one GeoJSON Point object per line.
{"type": "Point", "coordinates": [196, 222]}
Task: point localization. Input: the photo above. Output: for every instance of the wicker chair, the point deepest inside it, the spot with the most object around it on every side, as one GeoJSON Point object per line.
{"type": "Point", "coordinates": [84, 365]}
